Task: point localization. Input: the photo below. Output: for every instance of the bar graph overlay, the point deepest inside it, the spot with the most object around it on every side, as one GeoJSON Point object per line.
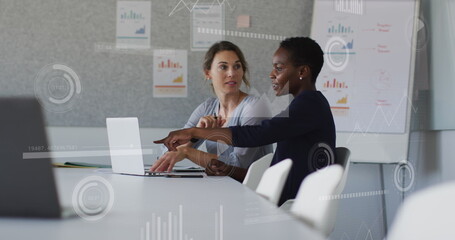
{"type": "Point", "coordinates": [178, 79]}
{"type": "Point", "coordinates": [349, 6]}
{"type": "Point", "coordinates": [339, 28]}
{"type": "Point", "coordinates": [171, 227]}
{"type": "Point", "coordinates": [141, 30]}
{"type": "Point", "coordinates": [343, 100]}
{"type": "Point", "coordinates": [335, 84]}
{"type": "Point", "coordinates": [349, 45]}
{"type": "Point", "coordinates": [168, 64]}
{"type": "Point", "coordinates": [131, 15]}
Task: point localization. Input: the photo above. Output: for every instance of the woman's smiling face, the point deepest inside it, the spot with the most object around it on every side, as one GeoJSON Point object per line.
{"type": "Point", "coordinates": [284, 75]}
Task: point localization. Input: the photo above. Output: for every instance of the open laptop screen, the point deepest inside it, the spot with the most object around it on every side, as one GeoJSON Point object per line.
{"type": "Point", "coordinates": [125, 145]}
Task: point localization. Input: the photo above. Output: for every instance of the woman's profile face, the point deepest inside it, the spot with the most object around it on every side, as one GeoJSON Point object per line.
{"type": "Point", "coordinates": [284, 75]}
{"type": "Point", "coordinates": [226, 72]}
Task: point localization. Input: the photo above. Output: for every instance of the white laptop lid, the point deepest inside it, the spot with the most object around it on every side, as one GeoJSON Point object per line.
{"type": "Point", "coordinates": [125, 145]}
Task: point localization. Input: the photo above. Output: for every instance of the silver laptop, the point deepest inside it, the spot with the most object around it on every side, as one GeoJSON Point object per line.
{"type": "Point", "coordinates": [126, 150]}
{"type": "Point", "coordinates": [125, 147]}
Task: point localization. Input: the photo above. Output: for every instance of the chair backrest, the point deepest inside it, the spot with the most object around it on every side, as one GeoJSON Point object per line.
{"type": "Point", "coordinates": [316, 203]}
{"type": "Point", "coordinates": [273, 180]}
{"type": "Point", "coordinates": [256, 170]}
{"type": "Point", "coordinates": [342, 157]}
{"type": "Point", "coordinates": [427, 214]}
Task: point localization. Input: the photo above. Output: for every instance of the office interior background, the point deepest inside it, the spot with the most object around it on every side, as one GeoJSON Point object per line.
{"type": "Point", "coordinates": [39, 34]}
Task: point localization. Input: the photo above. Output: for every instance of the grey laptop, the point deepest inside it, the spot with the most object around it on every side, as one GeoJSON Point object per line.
{"type": "Point", "coordinates": [27, 186]}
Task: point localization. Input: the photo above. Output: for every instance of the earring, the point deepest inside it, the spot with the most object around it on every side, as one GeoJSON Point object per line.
{"type": "Point", "coordinates": [301, 78]}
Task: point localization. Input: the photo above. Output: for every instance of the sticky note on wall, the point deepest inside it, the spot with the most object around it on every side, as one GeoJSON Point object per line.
{"type": "Point", "coordinates": [243, 21]}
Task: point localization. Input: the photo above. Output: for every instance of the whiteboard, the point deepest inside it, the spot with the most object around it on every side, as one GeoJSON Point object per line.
{"type": "Point", "coordinates": [368, 73]}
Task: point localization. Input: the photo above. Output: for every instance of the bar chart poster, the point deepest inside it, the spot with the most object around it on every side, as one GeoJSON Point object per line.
{"type": "Point", "coordinates": [170, 73]}
{"type": "Point", "coordinates": [133, 24]}
{"type": "Point", "coordinates": [336, 88]}
{"type": "Point", "coordinates": [207, 26]}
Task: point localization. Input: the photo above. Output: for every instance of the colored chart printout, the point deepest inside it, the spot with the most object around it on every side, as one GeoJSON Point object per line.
{"type": "Point", "coordinates": [170, 73]}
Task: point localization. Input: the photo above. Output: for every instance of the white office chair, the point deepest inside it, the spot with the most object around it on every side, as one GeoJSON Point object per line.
{"type": "Point", "coordinates": [256, 170]}
{"type": "Point", "coordinates": [316, 202]}
{"type": "Point", "coordinates": [273, 180]}
{"type": "Point", "coordinates": [342, 158]}
{"type": "Point", "coordinates": [427, 214]}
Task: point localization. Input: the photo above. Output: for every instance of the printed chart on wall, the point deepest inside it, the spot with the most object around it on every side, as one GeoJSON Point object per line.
{"type": "Point", "coordinates": [133, 24]}
{"type": "Point", "coordinates": [207, 25]}
{"type": "Point", "coordinates": [367, 49]}
{"type": "Point", "coordinates": [170, 73]}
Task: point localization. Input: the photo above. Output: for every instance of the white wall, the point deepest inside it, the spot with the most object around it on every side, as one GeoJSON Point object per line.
{"type": "Point", "coordinates": [446, 154]}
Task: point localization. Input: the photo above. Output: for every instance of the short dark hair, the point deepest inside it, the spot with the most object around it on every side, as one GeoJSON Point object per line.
{"type": "Point", "coordinates": [226, 46]}
{"type": "Point", "coordinates": [305, 51]}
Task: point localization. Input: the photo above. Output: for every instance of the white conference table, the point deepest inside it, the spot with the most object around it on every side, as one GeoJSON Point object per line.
{"type": "Point", "coordinates": [152, 208]}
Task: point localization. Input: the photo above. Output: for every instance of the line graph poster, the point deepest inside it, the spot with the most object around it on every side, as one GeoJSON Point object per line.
{"type": "Point", "coordinates": [367, 67]}
{"type": "Point", "coordinates": [133, 24]}
{"type": "Point", "coordinates": [170, 73]}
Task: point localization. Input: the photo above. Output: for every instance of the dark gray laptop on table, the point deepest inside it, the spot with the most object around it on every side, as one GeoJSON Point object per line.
{"type": "Point", "coordinates": [27, 186]}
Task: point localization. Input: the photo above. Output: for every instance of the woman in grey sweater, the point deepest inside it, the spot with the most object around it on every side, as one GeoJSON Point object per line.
{"type": "Point", "coordinates": [225, 67]}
